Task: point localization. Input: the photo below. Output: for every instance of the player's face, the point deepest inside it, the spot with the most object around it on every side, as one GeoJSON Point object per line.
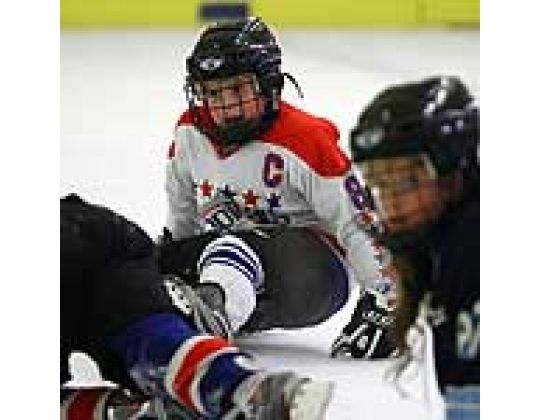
{"type": "Point", "coordinates": [233, 99]}
{"type": "Point", "coordinates": [406, 191]}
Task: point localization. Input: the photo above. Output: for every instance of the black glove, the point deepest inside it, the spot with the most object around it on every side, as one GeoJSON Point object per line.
{"type": "Point", "coordinates": [367, 335]}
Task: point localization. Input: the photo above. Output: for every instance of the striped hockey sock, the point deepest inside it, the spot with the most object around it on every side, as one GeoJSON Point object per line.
{"type": "Point", "coordinates": [232, 264]}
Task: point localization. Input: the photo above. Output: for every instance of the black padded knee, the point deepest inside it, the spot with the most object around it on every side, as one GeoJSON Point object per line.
{"type": "Point", "coordinates": [304, 282]}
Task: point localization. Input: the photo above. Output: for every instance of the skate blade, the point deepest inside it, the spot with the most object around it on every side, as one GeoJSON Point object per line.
{"type": "Point", "coordinates": [311, 401]}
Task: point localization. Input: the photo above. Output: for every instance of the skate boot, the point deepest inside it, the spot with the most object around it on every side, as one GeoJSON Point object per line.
{"type": "Point", "coordinates": [275, 396]}
{"type": "Point", "coordinates": [211, 315]}
{"type": "Point", "coordinates": [204, 304]}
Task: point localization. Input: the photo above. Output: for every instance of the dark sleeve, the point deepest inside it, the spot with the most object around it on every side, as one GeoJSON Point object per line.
{"type": "Point", "coordinates": [457, 345]}
{"type": "Point", "coordinates": [458, 282]}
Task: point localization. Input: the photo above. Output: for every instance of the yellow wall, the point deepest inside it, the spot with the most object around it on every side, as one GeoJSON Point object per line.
{"type": "Point", "coordinates": [336, 12]}
{"type": "Point", "coordinates": [283, 13]}
{"type": "Point", "coordinates": [112, 13]}
{"type": "Point", "coordinates": [453, 11]}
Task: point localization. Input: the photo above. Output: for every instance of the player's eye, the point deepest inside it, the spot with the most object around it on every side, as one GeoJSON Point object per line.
{"type": "Point", "coordinates": [212, 93]}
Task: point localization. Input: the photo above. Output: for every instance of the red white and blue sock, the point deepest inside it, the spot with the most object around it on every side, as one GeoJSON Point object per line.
{"type": "Point", "coordinates": [164, 354]}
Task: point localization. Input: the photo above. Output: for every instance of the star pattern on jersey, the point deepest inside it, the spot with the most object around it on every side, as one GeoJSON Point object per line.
{"type": "Point", "coordinates": [250, 199]}
{"type": "Point", "coordinates": [206, 188]}
{"type": "Point", "coordinates": [273, 201]}
{"type": "Point", "coordinates": [228, 192]}
{"type": "Point", "coordinates": [247, 199]}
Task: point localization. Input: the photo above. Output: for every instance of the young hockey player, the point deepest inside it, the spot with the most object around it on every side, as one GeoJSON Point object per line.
{"type": "Point", "coordinates": [149, 333]}
{"type": "Point", "coordinates": [264, 207]}
{"type": "Point", "coordinates": [417, 145]}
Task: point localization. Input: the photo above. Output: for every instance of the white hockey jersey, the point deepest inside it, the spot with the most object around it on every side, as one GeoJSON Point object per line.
{"type": "Point", "coordinates": [294, 173]}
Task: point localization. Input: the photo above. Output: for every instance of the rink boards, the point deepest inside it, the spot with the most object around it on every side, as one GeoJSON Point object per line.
{"type": "Point", "coordinates": [281, 13]}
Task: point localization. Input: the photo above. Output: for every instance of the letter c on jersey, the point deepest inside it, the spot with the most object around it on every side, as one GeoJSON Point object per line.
{"type": "Point", "coordinates": [273, 170]}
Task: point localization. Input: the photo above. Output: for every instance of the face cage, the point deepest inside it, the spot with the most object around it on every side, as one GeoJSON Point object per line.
{"type": "Point", "coordinates": [241, 113]}
{"type": "Point", "coordinates": [407, 194]}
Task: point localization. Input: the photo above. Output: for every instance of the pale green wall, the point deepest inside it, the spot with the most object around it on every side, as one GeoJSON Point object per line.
{"type": "Point", "coordinates": [282, 13]}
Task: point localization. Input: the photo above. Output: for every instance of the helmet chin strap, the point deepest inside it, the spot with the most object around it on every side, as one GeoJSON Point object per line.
{"type": "Point", "coordinates": [291, 79]}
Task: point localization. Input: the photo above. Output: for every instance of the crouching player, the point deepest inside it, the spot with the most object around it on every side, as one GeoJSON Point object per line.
{"type": "Point", "coordinates": [263, 206]}
{"type": "Point", "coordinates": [153, 336]}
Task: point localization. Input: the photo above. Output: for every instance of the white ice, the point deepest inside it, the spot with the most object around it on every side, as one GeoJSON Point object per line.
{"type": "Point", "coordinates": [121, 92]}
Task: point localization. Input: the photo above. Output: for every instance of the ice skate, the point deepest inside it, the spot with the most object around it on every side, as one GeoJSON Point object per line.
{"type": "Point", "coordinates": [280, 396]}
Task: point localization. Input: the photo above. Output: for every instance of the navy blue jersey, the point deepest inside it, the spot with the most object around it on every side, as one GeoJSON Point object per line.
{"type": "Point", "coordinates": [446, 263]}
{"type": "Point", "coordinates": [456, 287]}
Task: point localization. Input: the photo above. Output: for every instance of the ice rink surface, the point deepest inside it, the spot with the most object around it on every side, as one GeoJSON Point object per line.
{"type": "Point", "coordinates": [121, 92]}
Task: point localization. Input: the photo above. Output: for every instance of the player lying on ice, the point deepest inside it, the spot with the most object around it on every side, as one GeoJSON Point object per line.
{"type": "Point", "coordinates": [153, 336]}
{"type": "Point", "coordinates": [417, 145]}
{"type": "Point", "coordinates": [265, 211]}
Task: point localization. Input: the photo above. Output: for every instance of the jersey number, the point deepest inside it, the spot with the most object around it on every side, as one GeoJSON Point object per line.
{"type": "Point", "coordinates": [468, 333]}
{"type": "Point", "coordinates": [358, 194]}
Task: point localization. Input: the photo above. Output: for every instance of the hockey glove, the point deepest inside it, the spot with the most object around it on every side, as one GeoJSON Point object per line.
{"type": "Point", "coordinates": [220, 214]}
{"type": "Point", "coordinates": [367, 335]}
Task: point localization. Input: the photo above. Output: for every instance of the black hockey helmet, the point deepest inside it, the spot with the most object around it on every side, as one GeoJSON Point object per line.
{"type": "Point", "coordinates": [434, 116]}
{"type": "Point", "coordinates": [227, 49]}
{"type": "Point", "coordinates": [431, 124]}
